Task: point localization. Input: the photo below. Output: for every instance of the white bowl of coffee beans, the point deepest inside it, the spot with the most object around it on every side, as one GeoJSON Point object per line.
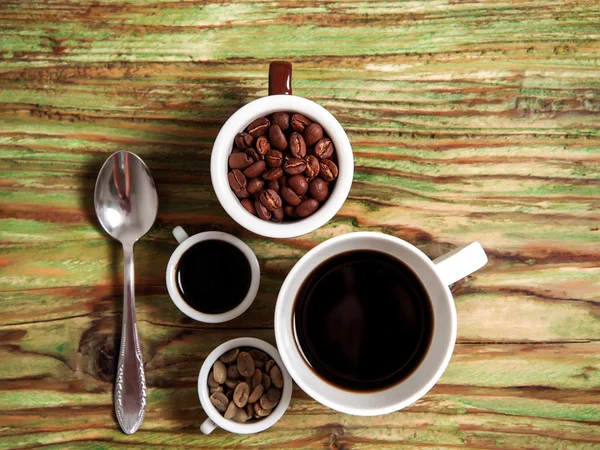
{"type": "Point", "coordinates": [243, 387]}
{"type": "Point", "coordinates": [282, 166]}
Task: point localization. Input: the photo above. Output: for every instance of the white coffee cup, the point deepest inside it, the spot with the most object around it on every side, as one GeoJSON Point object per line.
{"type": "Point", "coordinates": [263, 107]}
{"type": "Point", "coordinates": [215, 418]}
{"type": "Point", "coordinates": [435, 276]}
{"type": "Point", "coordinates": [185, 242]}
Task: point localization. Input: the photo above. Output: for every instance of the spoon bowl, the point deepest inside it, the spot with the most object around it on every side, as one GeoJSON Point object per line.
{"type": "Point", "coordinates": [125, 197]}
{"type": "Point", "coordinates": [126, 204]}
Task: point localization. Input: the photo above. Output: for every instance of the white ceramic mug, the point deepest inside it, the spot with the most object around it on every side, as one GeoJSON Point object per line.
{"type": "Point", "coordinates": [435, 275]}
{"type": "Point", "coordinates": [280, 99]}
{"type": "Point", "coordinates": [185, 242]}
{"type": "Point", "coordinates": [215, 418]}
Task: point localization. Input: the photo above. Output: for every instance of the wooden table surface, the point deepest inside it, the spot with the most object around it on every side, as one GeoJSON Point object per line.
{"type": "Point", "coordinates": [469, 121]}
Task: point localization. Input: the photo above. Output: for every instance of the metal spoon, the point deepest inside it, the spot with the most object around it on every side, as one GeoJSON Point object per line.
{"type": "Point", "coordinates": [126, 204]}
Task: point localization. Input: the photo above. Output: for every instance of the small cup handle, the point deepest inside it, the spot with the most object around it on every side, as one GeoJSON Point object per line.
{"type": "Point", "coordinates": [180, 234]}
{"type": "Point", "coordinates": [280, 78]}
{"type": "Point", "coordinates": [208, 426]}
{"type": "Point", "coordinates": [460, 262]}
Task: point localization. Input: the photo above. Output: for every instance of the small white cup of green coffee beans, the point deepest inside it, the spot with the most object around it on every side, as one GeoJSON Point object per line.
{"type": "Point", "coordinates": [243, 387]}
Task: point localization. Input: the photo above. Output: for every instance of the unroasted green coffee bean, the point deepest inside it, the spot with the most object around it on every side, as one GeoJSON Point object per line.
{"type": "Point", "coordinates": [230, 356]}
{"type": "Point", "coordinates": [257, 377]}
{"type": "Point", "coordinates": [256, 394]}
{"type": "Point", "coordinates": [211, 380]}
{"type": "Point", "coordinates": [231, 411]}
{"type": "Point", "coordinates": [220, 401]}
{"type": "Point", "coordinates": [259, 411]}
{"type": "Point", "coordinates": [241, 416]}
{"type": "Point", "coordinates": [233, 372]}
{"type": "Point", "coordinates": [276, 377]}
{"type": "Point", "coordinates": [266, 381]}
{"type": "Point", "coordinates": [219, 372]}
{"type": "Point", "coordinates": [241, 394]}
{"type": "Point", "coordinates": [231, 384]}
{"type": "Point", "coordinates": [274, 394]}
{"type": "Point", "coordinates": [265, 403]}
{"type": "Point", "coordinates": [269, 365]}
{"type": "Point", "coordinates": [245, 363]}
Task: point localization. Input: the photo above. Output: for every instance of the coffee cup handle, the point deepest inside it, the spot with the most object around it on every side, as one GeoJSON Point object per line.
{"type": "Point", "coordinates": [460, 262]}
{"type": "Point", "coordinates": [208, 426]}
{"type": "Point", "coordinates": [180, 234]}
{"type": "Point", "coordinates": [280, 78]}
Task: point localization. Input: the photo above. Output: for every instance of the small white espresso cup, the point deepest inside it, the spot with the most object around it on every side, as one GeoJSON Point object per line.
{"type": "Point", "coordinates": [215, 418]}
{"type": "Point", "coordinates": [185, 242]}
{"type": "Point", "coordinates": [280, 99]}
{"type": "Point", "coordinates": [435, 276]}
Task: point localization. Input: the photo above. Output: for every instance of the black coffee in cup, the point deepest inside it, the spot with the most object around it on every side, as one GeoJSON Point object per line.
{"type": "Point", "coordinates": [213, 276]}
{"type": "Point", "coordinates": [363, 320]}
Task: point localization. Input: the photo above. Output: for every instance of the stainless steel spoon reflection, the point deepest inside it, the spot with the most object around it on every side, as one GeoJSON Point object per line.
{"type": "Point", "coordinates": [126, 204]}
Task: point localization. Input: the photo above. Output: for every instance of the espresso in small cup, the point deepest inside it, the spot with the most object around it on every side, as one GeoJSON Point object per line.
{"type": "Point", "coordinates": [213, 276]}
{"type": "Point", "coordinates": [363, 320]}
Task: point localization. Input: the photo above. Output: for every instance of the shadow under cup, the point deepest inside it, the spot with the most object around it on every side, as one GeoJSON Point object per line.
{"type": "Point", "coordinates": [363, 321]}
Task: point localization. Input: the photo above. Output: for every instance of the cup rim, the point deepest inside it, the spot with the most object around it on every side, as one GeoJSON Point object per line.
{"type": "Point", "coordinates": [262, 107]}
{"type": "Point", "coordinates": [198, 315]}
{"type": "Point", "coordinates": [230, 425]}
{"type": "Point", "coordinates": [322, 391]}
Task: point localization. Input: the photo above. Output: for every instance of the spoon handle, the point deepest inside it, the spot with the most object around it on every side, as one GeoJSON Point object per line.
{"type": "Point", "coordinates": [130, 389]}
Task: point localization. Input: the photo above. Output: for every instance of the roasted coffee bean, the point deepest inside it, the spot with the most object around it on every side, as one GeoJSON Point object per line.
{"type": "Point", "coordinates": [220, 401]}
{"type": "Point", "coordinates": [274, 184]}
{"type": "Point", "coordinates": [312, 134]}
{"type": "Point", "coordinates": [324, 148]}
{"type": "Point", "coordinates": [217, 389]}
{"type": "Point", "coordinates": [262, 145]}
{"type": "Point", "coordinates": [274, 394]}
{"type": "Point", "coordinates": [233, 372]}
{"type": "Point", "coordinates": [231, 411]}
{"type": "Point", "coordinates": [277, 137]}
{"type": "Point", "coordinates": [307, 207]}
{"type": "Point", "coordinates": [237, 150]}
{"type": "Point", "coordinates": [289, 211]}
{"type": "Point", "coordinates": [262, 211]}
{"type": "Point", "coordinates": [299, 122]}
{"type": "Point", "coordinates": [277, 216]}
{"type": "Point", "coordinates": [274, 158]}
{"type": "Point", "coordinates": [242, 193]}
{"type": "Point", "coordinates": [230, 355]}
{"type": "Point", "coordinates": [298, 183]}
{"type": "Point", "coordinates": [243, 140]}
{"type": "Point", "coordinates": [276, 377]}
{"type": "Point", "coordinates": [297, 145]}
{"type": "Point", "coordinates": [245, 364]}
{"type": "Point", "coordinates": [219, 372]}
{"type": "Point", "coordinates": [319, 190]}
{"type": "Point", "coordinates": [257, 377]}
{"type": "Point", "coordinates": [255, 169]}
{"type": "Point", "coordinates": [329, 170]}
{"type": "Point", "coordinates": [273, 174]}
{"type": "Point", "coordinates": [266, 381]}
{"type": "Point", "coordinates": [269, 365]}
{"type": "Point", "coordinates": [255, 185]}
{"type": "Point", "coordinates": [230, 383]}
{"type": "Point", "coordinates": [240, 161]}
{"type": "Point", "coordinates": [265, 403]}
{"type": "Point", "coordinates": [249, 206]}
{"type": "Point", "coordinates": [312, 166]}
{"type": "Point", "coordinates": [237, 180]}
{"type": "Point", "coordinates": [253, 153]}
{"type": "Point", "coordinates": [241, 394]}
{"type": "Point", "coordinates": [272, 201]}
{"type": "Point", "coordinates": [282, 119]}
{"type": "Point", "coordinates": [241, 416]}
{"type": "Point", "coordinates": [259, 411]}
{"type": "Point", "coordinates": [294, 165]}
{"type": "Point", "coordinates": [212, 383]}
{"type": "Point", "coordinates": [290, 197]}
{"type": "Point", "coordinates": [256, 393]}
{"type": "Point", "coordinates": [258, 127]}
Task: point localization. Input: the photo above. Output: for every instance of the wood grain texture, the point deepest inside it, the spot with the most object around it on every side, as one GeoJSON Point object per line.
{"type": "Point", "coordinates": [473, 120]}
